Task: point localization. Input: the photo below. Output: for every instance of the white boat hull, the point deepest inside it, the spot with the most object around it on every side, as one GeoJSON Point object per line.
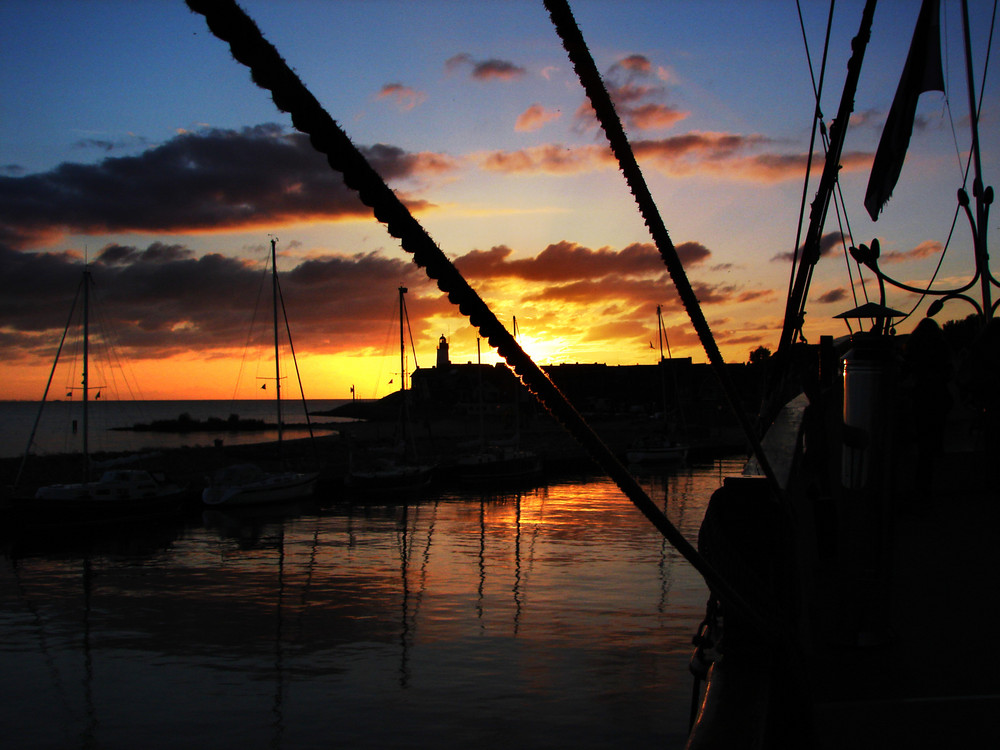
{"type": "Point", "coordinates": [262, 488]}
{"type": "Point", "coordinates": [663, 455]}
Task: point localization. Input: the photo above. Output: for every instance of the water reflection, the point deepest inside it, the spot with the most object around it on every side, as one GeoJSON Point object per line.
{"type": "Point", "coordinates": [545, 616]}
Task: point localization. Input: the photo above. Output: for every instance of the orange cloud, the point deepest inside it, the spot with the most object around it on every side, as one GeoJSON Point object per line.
{"type": "Point", "coordinates": [638, 94]}
{"type": "Point", "coordinates": [635, 63]}
{"type": "Point", "coordinates": [654, 116]}
{"type": "Point", "coordinates": [485, 70]}
{"type": "Point", "coordinates": [925, 249]}
{"type": "Point", "coordinates": [535, 117]}
{"type": "Point", "coordinates": [550, 158]}
{"type": "Point", "coordinates": [716, 154]}
{"type": "Point", "coordinates": [405, 97]}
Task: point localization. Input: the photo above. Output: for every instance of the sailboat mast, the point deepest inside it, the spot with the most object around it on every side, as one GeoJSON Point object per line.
{"type": "Point", "coordinates": [982, 202]}
{"type": "Point", "coordinates": [517, 394]}
{"type": "Point", "coordinates": [404, 422]}
{"type": "Point", "coordinates": [402, 341]}
{"type": "Point", "coordinates": [479, 382]}
{"type": "Point", "coordinates": [277, 361]}
{"type": "Point", "coordinates": [86, 371]}
{"type": "Point", "coordinates": [661, 335]}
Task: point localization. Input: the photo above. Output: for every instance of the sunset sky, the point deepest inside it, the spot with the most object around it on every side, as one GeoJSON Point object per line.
{"type": "Point", "coordinates": [130, 137]}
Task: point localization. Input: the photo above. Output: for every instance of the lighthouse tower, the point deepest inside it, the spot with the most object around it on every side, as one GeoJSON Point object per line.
{"type": "Point", "coordinates": [442, 353]}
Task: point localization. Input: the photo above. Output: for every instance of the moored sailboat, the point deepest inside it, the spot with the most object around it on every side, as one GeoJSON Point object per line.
{"type": "Point", "coordinates": [249, 484]}
{"type": "Point", "coordinates": [661, 448]}
{"type": "Point", "coordinates": [395, 467]}
{"type": "Point", "coordinates": [495, 462]}
{"type": "Point", "coordinates": [117, 494]}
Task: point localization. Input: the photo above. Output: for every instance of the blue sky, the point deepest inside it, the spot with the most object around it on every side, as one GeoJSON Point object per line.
{"type": "Point", "coordinates": [478, 113]}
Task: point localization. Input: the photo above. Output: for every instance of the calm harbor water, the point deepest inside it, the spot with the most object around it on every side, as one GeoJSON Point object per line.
{"type": "Point", "coordinates": [553, 617]}
{"type": "Point", "coordinates": [56, 433]}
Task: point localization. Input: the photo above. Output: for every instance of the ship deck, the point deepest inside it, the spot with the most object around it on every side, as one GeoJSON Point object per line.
{"type": "Point", "coordinates": [928, 672]}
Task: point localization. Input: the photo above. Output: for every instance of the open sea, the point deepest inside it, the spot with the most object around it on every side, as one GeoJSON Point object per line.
{"type": "Point", "coordinates": [550, 617]}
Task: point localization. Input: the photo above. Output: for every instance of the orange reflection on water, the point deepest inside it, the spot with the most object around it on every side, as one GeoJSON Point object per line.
{"type": "Point", "coordinates": [558, 604]}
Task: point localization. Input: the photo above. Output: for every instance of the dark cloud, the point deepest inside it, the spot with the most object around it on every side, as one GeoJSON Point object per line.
{"type": "Point", "coordinates": [211, 180]}
{"type": "Point", "coordinates": [108, 145]}
{"type": "Point", "coordinates": [162, 300]}
{"type": "Point", "coordinates": [827, 243]}
{"type": "Point", "coordinates": [485, 70]}
{"type": "Point", "coordinates": [834, 295]}
{"type": "Point", "coordinates": [155, 253]}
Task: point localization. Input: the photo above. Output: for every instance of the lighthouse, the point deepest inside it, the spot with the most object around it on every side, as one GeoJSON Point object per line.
{"type": "Point", "coordinates": [442, 353]}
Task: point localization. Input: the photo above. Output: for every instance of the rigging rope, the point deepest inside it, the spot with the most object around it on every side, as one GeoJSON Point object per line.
{"type": "Point", "coordinates": [586, 70]}
{"type": "Point", "coordinates": [295, 364]}
{"type": "Point", "coordinates": [817, 121]}
{"type": "Point", "coordinates": [48, 384]}
{"type": "Point", "coordinates": [249, 337]}
{"type": "Point", "coordinates": [269, 71]}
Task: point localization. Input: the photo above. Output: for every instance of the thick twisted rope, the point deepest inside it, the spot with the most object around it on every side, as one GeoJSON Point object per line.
{"type": "Point", "coordinates": [269, 71]}
{"type": "Point", "coordinates": [586, 70]}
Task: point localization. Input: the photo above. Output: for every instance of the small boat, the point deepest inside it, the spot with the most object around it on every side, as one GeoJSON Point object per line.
{"type": "Point", "coordinates": [497, 463]}
{"type": "Point", "coordinates": [387, 473]}
{"type": "Point", "coordinates": [118, 494]}
{"type": "Point", "coordinates": [248, 484]}
{"type": "Point", "coordinates": [656, 451]}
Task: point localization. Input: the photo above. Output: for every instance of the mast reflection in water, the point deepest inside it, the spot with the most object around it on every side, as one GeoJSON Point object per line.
{"type": "Point", "coordinates": [552, 617]}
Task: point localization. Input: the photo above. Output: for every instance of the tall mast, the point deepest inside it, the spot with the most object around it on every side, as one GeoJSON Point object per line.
{"type": "Point", "coordinates": [402, 340]}
{"type": "Point", "coordinates": [661, 334]}
{"type": "Point", "coordinates": [517, 394]}
{"type": "Point", "coordinates": [277, 361]}
{"type": "Point", "coordinates": [479, 382]}
{"type": "Point", "coordinates": [982, 199]}
{"type": "Point", "coordinates": [402, 370]}
{"type": "Point", "coordinates": [86, 371]}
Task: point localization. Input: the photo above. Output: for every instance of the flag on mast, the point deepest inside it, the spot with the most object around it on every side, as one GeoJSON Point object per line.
{"type": "Point", "coordinates": [922, 72]}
